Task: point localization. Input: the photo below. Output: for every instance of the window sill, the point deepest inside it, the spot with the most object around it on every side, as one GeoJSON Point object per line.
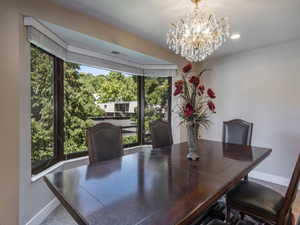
{"type": "Point", "coordinates": [38, 176]}
{"type": "Point", "coordinates": [58, 165]}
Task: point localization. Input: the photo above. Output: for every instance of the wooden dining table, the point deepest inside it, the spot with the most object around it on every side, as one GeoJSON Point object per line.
{"type": "Point", "coordinates": [154, 187]}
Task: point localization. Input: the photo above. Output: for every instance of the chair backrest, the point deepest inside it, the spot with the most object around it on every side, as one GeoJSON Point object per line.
{"type": "Point", "coordinates": [237, 132]}
{"type": "Point", "coordinates": [104, 142]}
{"type": "Point", "coordinates": [290, 195]}
{"type": "Point", "coordinates": [161, 134]}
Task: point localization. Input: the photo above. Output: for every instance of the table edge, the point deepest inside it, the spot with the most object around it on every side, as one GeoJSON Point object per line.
{"type": "Point", "coordinates": [75, 214]}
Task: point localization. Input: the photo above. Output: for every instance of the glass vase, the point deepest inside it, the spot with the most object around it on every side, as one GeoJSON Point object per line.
{"type": "Point", "coordinates": [192, 136]}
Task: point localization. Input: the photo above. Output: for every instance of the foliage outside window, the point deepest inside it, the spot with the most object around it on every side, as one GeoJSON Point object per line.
{"type": "Point", "coordinates": [87, 97]}
{"type": "Point", "coordinates": [42, 107]}
{"type": "Point", "coordinates": [156, 102]}
{"type": "Point", "coordinates": [80, 100]}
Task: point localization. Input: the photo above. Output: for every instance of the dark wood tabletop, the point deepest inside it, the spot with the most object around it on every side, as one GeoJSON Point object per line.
{"type": "Point", "coordinates": [157, 187]}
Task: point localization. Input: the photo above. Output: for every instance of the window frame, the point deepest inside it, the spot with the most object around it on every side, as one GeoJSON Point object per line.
{"type": "Point", "coordinates": [58, 133]}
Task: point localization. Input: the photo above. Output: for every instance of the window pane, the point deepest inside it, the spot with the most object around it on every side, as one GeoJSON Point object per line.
{"type": "Point", "coordinates": [117, 97]}
{"type": "Point", "coordinates": [79, 107]}
{"type": "Point", "coordinates": [42, 107]}
{"type": "Point", "coordinates": [156, 102]}
{"type": "Point", "coordinates": [93, 96]}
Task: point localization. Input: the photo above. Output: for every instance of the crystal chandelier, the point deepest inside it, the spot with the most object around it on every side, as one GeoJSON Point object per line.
{"type": "Point", "coordinates": [198, 34]}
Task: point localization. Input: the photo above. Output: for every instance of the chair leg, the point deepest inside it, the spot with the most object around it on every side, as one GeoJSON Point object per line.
{"type": "Point", "coordinates": [228, 211]}
{"type": "Point", "coordinates": [242, 215]}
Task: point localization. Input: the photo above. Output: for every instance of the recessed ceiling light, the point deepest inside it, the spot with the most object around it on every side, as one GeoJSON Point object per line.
{"type": "Point", "coordinates": [235, 36]}
{"type": "Point", "coordinates": [115, 52]}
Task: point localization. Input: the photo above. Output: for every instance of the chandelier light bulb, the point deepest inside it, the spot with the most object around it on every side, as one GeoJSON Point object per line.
{"type": "Point", "coordinates": [235, 36]}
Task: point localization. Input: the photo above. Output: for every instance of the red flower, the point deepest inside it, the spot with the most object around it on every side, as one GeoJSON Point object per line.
{"type": "Point", "coordinates": [201, 89]}
{"type": "Point", "coordinates": [194, 80]}
{"type": "Point", "coordinates": [211, 93]}
{"type": "Point", "coordinates": [211, 106]}
{"type": "Point", "coordinates": [177, 92]}
{"type": "Point", "coordinates": [179, 87]}
{"type": "Point", "coordinates": [179, 83]}
{"type": "Point", "coordinates": [187, 68]}
{"type": "Point", "coordinates": [188, 110]}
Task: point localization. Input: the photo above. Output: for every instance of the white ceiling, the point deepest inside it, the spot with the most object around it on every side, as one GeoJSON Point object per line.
{"type": "Point", "coordinates": [260, 22]}
{"type": "Point", "coordinates": [86, 42]}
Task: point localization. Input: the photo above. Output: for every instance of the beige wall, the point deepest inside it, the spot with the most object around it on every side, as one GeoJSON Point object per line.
{"type": "Point", "coordinates": [9, 115]}
{"type": "Point", "coordinates": [20, 199]}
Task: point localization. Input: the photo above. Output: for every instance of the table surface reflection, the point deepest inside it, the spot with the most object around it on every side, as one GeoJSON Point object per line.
{"type": "Point", "coordinates": [157, 187]}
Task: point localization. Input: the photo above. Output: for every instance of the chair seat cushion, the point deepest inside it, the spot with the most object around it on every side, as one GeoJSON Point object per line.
{"type": "Point", "coordinates": [255, 199]}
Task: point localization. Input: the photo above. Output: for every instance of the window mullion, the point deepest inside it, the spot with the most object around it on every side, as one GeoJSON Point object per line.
{"type": "Point", "coordinates": [141, 99]}
{"type": "Point", "coordinates": [59, 108]}
{"type": "Point", "coordinates": [170, 100]}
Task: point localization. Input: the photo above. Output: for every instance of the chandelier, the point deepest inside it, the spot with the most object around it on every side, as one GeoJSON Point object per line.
{"type": "Point", "coordinates": [198, 34]}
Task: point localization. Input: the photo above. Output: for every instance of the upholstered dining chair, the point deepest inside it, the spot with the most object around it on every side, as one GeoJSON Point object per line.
{"type": "Point", "coordinates": [104, 142]}
{"type": "Point", "coordinates": [161, 134]}
{"type": "Point", "coordinates": [264, 203]}
{"type": "Point", "coordinates": [237, 131]}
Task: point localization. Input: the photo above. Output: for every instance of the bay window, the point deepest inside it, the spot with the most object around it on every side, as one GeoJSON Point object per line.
{"type": "Point", "coordinates": [66, 100]}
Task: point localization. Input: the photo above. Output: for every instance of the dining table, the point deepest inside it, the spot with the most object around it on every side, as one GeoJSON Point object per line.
{"type": "Point", "coordinates": [156, 186]}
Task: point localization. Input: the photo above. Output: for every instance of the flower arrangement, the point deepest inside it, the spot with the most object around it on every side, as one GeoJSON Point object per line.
{"type": "Point", "coordinates": [196, 105]}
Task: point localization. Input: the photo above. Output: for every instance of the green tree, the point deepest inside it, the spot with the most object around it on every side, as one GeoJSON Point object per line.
{"type": "Point", "coordinates": [79, 90]}
{"type": "Point", "coordinates": [156, 101]}
{"type": "Point", "coordinates": [117, 87]}
{"type": "Point", "coordinates": [79, 106]}
{"type": "Point", "coordinates": [42, 104]}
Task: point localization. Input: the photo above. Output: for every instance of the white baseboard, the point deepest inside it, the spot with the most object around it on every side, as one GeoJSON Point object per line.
{"type": "Point", "coordinates": [270, 178]}
{"type": "Point", "coordinates": [38, 218]}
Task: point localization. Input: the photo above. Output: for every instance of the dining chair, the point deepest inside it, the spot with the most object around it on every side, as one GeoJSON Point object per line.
{"type": "Point", "coordinates": [263, 203]}
{"type": "Point", "coordinates": [161, 134]}
{"type": "Point", "coordinates": [104, 142]}
{"type": "Point", "coordinates": [237, 131]}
